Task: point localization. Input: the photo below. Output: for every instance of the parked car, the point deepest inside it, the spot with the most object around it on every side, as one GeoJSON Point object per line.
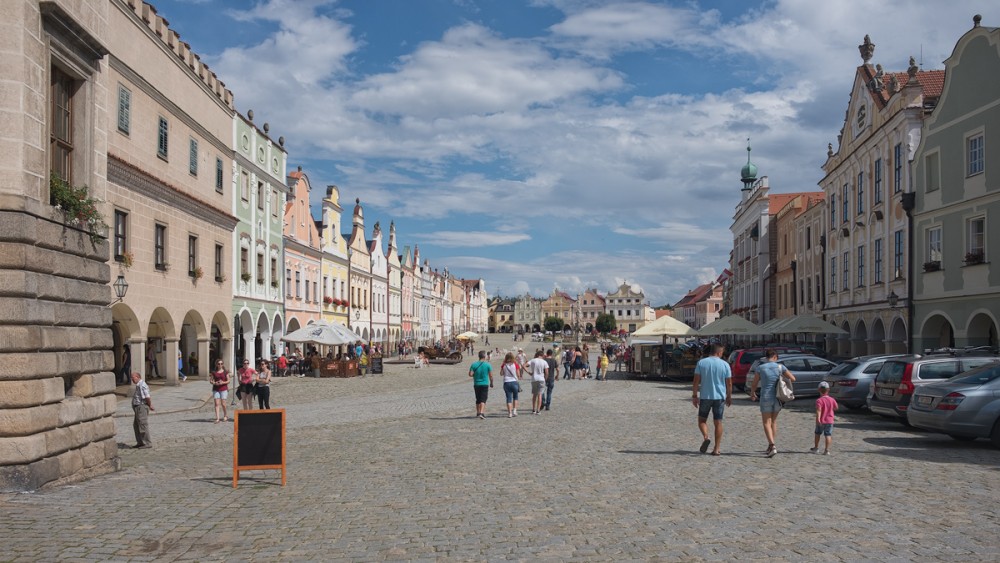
{"type": "Point", "coordinates": [851, 380]}
{"type": "Point", "coordinates": [808, 370]}
{"type": "Point", "coordinates": [964, 407]}
{"type": "Point", "coordinates": [893, 388]}
{"type": "Point", "coordinates": [741, 360]}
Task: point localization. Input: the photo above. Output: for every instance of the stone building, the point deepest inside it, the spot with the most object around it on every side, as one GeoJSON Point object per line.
{"type": "Point", "coordinates": [956, 293]}
{"type": "Point", "coordinates": [790, 283]}
{"type": "Point", "coordinates": [169, 196]}
{"type": "Point", "coordinates": [592, 305]}
{"type": "Point", "coordinates": [867, 184]}
{"type": "Point", "coordinates": [809, 257]}
{"type": "Point", "coordinates": [502, 316]}
{"type": "Point", "coordinates": [303, 256]}
{"type": "Point", "coordinates": [56, 387]}
{"type": "Point", "coordinates": [395, 297]}
{"type": "Point", "coordinates": [378, 312]}
{"type": "Point", "coordinates": [360, 275]}
{"type": "Point", "coordinates": [259, 195]}
{"type": "Point", "coordinates": [628, 307]}
{"type": "Point", "coordinates": [335, 264]}
{"type": "Point", "coordinates": [560, 305]}
{"type": "Point", "coordinates": [528, 314]}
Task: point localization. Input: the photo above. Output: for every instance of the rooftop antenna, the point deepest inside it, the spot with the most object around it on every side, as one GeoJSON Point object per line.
{"type": "Point", "coordinates": [921, 56]}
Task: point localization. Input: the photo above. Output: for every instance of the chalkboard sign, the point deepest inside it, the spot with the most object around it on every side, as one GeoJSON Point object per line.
{"type": "Point", "coordinates": [258, 441]}
{"type": "Point", "coordinates": [376, 364]}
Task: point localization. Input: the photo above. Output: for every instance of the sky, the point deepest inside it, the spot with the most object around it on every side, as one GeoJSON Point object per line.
{"type": "Point", "coordinates": [559, 144]}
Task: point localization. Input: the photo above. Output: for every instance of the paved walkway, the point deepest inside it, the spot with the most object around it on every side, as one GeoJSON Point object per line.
{"type": "Point", "coordinates": [395, 467]}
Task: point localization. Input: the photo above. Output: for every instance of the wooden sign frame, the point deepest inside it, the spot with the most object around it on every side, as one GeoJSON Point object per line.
{"type": "Point", "coordinates": [237, 467]}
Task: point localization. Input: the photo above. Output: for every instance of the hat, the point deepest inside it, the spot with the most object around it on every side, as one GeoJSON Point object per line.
{"type": "Point", "coordinates": [824, 385]}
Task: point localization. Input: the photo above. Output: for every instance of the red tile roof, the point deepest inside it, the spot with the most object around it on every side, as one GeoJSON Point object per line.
{"type": "Point", "coordinates": [776, 201]}
{"type": "Point", "coordinates": [931, 81]}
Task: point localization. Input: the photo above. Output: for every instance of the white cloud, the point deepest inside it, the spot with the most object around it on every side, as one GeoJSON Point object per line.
{"type": "Point", "coordinates": [453, 239]}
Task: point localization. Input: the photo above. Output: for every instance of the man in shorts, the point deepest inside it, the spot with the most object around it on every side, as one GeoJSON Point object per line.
{"type": "Point", "coordinates": [713, 381]}
{"type": "Point", "coordinates": [482, 379]}
{"type": "Point", "coordinates": [550, 378]}
{"type": "Point", "coordinates": [539, 368]}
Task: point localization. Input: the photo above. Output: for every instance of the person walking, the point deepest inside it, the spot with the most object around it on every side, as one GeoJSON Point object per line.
{"type": "Point", "coordinates": [712, 391]}
{"type": "Point", "coordinates": [511, 373]}
{"type": "Point", "coordinates": [151, 366]}
{"type": "Point", "coordinates": [539, 368]}
{"type": "Point", "coordinates": [765, 378]}
{"type": "Point", "coordinates": [262, 385]}
{"type": "Point", "coordinates": [825, 406]}
{"type": "Point", "coordinates": [482, 380]}
{"type": "Point", "coordinates": [142, 403]}
{"type": "Point", "coordinates": [577, 364]}
{"type": "Point", "coordinates": [126, 373]}
{"type": "Point", "coordinates": [246, 375]}
{"type": "Point", "coordinates": [602, 366]}
{"type": "Point", "coordinates": [567, 362]}
{"type": "Point", "coordinates": [220, 390]}
{"type": "Point", "coordinates": [550, 377]}
{"type": "Point", "coordinates": [180, 366]}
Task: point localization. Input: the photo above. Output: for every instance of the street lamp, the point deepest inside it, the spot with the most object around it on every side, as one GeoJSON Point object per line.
{"type": "Point", "coordinates": [121, 288]}
{"type": "Point", "coordinates": [893, 299]}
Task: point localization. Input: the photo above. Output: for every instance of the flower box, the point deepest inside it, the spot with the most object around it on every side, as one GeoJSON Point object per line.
{"type": "Point", "coordinates": [974, 258]}
{"type": "Point", "coordinates": [932, 266]}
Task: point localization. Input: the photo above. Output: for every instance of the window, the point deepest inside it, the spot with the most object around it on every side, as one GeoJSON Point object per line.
{"type": "Point", "coordinates": [931, 171]}
{"type": "Point", "coordinates": [245, 186]}
{"type": "Point", "coordinates": [218, 262]}
{"type": "Point", "coordinates": [260, 269]}
{"type": "Point", "coordinates": [307, 290]}
{"type": "Point", "coordinates": [274, 270]}
{"type": "Point", "coordinates": [274, 211]}
{"type": "Point", "coordinates": [934, 244]}
{"type": "Point", "coordinates": [315, 293]}
{"type": "Point", "coordinates": [218, 175]}
{"type": "Point", "coordinates": [161, 143]}
{"type": "Point", "coordinates": [833, 274]}
{"type": "Point", "coordinates": [818, 289]}
{"type": "Point", "coordinates": [847, 271]}
{"type": "Point", "coordinates": [975, 155]}
{"type": "Point", "coordinates": [193, 158]}
{"type": "Point", "coordinates": [878, 181]}
{"type": "Point", "coordinates": [245, 264]}
{"type": "Point", "coordinates": [808, 238]}
{"type": "Point", "coordinates": [160, 247]}
{"type": "Point", "coordinates": [192, 254]}
{"type": "Point", "coordinates": [897, 168]}
{"type": "Point", "coordinates": [124, 109]}
{"type": "Point", "coordinates": [121, 235]}
{"type": "Point", "coordinates": [298, 285]}
{"type": "Point", "coordinates": [861, 193]}
{"type": "Point", "coordinates": [260, 195]}
{"type": "Point", "coordinates": [833, 210]}
{"type": "Point", "coordinates": [846, 208]}
{"type": "Point", "coordinates": [63, 88]}
{"type": "Point", "coordinates": [897, 253]}
{"type": "Point", "coordinates": [809, 289]}
{"type": "Point", "coordinates": [861, 265]}
{"type": "Point", "coordinates": [288, 282]}
{"type": "Point", "coordinates": [877, 260]}
{"type": "Point", "coordinates": [976, 242]}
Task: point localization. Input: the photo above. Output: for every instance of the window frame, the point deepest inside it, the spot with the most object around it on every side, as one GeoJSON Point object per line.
{"type": "Point", "coordinates": [163, 138]}
{"type": "Point", "coordinates": [970, 160]}
{"type": "Point", "coordinates": [219, 175]}
{"type": "Point", "coordinates": [193, 157]}
{"type": "Point", "coordinates": [121, 235]}
{"type": "Point", "coordinates": [192, 254]}
{"type": "Point", "coordinates": [898, 254]}
{"type": "Point", "coordinates": [845, 204]}
{"type": "Point", "coordinates": [935, 240]}
{"type": "Point", "coordinates": [877, 187]}
{"type": "Point", "coordinates": [124, 110]}
{"type": "Point", "coordinates": [969, 235]}
{"type": "Point", "coordinates": [160, 247]}
{"type": "Point", "coordinates": [846, 282]}
{"type": "Point", "coordinates": [877, 261]}
{"type": "Point", "coordinates": [244, 185]}
{"type": "Point", "coordinates": [219, 261]}
{"type": "Point", "coordinates": [63, 90]}
{"type": "Point", "coordinates": [861, 192]}
{"type": "Point", "coordinates": [833, 274]}
{"type": "Point", "coordinates": [897, 168]}
{"type": "Point", "coordinates": [861, 265]}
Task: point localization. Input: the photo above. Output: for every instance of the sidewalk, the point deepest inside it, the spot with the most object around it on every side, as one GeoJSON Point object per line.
{"type": "Point", "coordinates": [190, 395]}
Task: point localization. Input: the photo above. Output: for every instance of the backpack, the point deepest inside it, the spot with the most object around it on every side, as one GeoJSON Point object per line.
{"type": "Point", "coordinates": [784, 390]}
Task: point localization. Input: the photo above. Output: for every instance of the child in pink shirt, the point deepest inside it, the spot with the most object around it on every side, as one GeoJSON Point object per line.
{"type": "Point", "coordinates": [825, 406]}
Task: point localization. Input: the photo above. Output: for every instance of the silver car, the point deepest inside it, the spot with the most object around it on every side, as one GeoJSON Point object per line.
{"type": "Point", "coordinates": [808, 370]}
{"type": "Point", "coordinates": [851, 380]}
{"type": "Point", "coordinates": [964, 407]}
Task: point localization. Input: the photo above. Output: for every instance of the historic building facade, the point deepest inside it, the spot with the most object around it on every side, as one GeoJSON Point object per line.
{"type": "Point", "coordinates": [336, 294]}
{"type": "Point", "coordinates": [809, 257]}
{"type": "Point", "coordinates": [867, 184]}
{"type": "Point", "coordinates": [592, 305]}
{"type": "Point", "coordinates": [258, 199]}
{"type": "Point", "coordinates": [956, 294]}
{"type": "Point", "coordinates": [303, 266]}
{"type": "Point", "coordinates": [628, 307]}
{"type": "Point", "coordinates": [528, 314]}
{"type": "Point", "coordinates": [360, 275]}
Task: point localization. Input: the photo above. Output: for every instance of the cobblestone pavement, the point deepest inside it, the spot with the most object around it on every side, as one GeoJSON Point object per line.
{"type": "Point", "coordinates": [395, 467]}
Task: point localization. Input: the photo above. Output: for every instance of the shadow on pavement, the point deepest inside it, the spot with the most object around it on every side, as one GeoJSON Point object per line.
{"type": "Point", "coordinates": [937, 448]}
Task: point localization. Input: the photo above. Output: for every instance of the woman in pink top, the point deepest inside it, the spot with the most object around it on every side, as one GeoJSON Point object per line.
{"type": "Point", "coordinates": [246, 375]}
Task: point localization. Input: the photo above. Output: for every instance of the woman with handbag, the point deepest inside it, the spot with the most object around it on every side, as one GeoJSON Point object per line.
{"type": "Point", "coordinates": [262, 385]}
{"type": "Point", "coordinates": [767, 376]}
{"type": "Point", "coordinates": [511, 373]}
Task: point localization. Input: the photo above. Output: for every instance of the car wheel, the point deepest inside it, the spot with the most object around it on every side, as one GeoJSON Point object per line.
{"type": "Point", "coordinates": [962, 438]}
{"type": "Point", "coordinates": [995, 434]}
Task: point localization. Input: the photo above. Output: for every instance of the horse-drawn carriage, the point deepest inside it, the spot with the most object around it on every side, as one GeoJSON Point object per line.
{"type": "Point", "coordinates": [433, 353]}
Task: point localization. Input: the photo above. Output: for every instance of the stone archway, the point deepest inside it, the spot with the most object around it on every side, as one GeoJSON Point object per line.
{"type": "Point", "coordinates": [276, 346]}
{"type": "Point", "coordinates": [937, 332]}
{"type": "Point", "coordinates": [160, 347]}
{"type": "Point", "coordinates": [192, 332]}
{"type": "Point", "coordinates": [219, 345]}
{"type": "Point", "coordinates": [261, 339]}
{"type": "Point", "coordinates": [982, 330]}
{"type": "Point", "coordinates": [859, 338]}
{"type": "Point", "coordinates": [844, 342]}
{"type": "Point", "coordinates": [876, 340]}
{"type": "Point", "coordinates": [897, 337]}
{"type": "Point", "coordinates": [126, 334]}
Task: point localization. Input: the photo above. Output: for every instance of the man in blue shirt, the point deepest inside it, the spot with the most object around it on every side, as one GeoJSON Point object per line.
{"type": "Point", "coordinates": [714, 381]}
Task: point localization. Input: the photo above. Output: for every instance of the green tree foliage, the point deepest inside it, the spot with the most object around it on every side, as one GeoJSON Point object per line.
{"type": "Point", "coordinates": [605, 323]}
{"type": "Point", "coordinates": [554, 324]}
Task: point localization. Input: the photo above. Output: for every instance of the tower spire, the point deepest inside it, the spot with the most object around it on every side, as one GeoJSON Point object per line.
{"type": "Point", "coordinates": [749, 172]}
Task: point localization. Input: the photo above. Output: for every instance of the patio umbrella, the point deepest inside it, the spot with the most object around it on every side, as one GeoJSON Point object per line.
{"type": "Point", "coordinates": [469, 335]}
{"type": "Point", "coordinates": [770, 326]}
{"type": "Point", "coordinates": [731, 325]}
{"type": "Point", "coordinates": [323, 332]}
{"type": "Point", "coordinates": [665, 326]}
{"type": "Point", "coordinates": [808, 324]}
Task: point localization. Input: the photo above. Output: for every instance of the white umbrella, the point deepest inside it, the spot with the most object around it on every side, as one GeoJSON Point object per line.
{"type": "Point", "coordinates": [665, 326]}
{"type": "Point", "coordinates": [808, 324]}
{"type": "Point", "coordinates": [731, 325]}
{"type": "Point", "coordinates": [323, 332]}
{"type": "Point", "coordinates": [469, 335]}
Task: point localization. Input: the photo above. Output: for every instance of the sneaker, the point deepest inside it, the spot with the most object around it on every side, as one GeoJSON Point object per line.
{"type": "Point", "coordinates": [510, 415]}
{"type": "Point", "coordinates": [546, 407]}
{"type": "Point", "coordinates": [773, 452]}
{"type": "Point", "coordinates": [515, 412]}
{"type": "Point", "coordinates": [482, 416]}
{"type": "Point", "coordinates": [826, 452]}
{"type": "Point", "coordinates": [814, 450]}
{"type": "Point", "coordinates": [538, 412]}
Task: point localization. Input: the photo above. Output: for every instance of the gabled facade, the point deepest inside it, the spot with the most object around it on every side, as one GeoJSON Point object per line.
{"type": "Point", "coordinates": [809, 257]}
{"type": "Point", "coordinates": [258, 198]}
{"type": "Point", "coordinates": [709, 308]}
{"type": "Point", "coordinates": [360, 276]}
{"type": "Point", "coordinates": [560, 305]}
{"type": "Point", "coordinates": [502, 316]}
{"type": "Point", "coordinates": [592, 304]}
{"type": "Point", "coordinates": [303, 268]}
{"type": "Point", "coordinates": [628, 307]}
{"type": "Point", "coordinates": [410, 320]}
{"type": "Point", "coordinates": [379, 306]}
{"type": "Point", "coordinates": [395, 296]}
{"type": "Point", "coordinates": [335, 263]}
{"type": "Point", "coordinates": [528, 314]}
{"type": "Point", "coordinates": [956, 171]}
{"type": "Point", "coordinates": [867, 183]}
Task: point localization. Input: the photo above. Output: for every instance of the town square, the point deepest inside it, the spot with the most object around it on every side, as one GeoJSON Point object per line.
{"type": "Point", "coordinates": [477, 280]}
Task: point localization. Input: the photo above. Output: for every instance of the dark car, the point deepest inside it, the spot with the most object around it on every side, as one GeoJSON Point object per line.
{"type": "Point", "coordinates": [899, 378]}
{"type": "Point", "coordinates": [851, 380]}
{"type": "Point", "coordinates": [741, 360]}
{"type": "Point", "coordinates": [964, 407]}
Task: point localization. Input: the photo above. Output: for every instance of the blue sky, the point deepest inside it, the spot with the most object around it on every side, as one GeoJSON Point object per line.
{"type": "Point", "coordinates": [558, 143]}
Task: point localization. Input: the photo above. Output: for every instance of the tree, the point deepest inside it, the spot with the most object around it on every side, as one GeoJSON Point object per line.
{"type": "Point", "coordinates": [605, 323]}
{"type": "Point", "coordinates": [553, 324]}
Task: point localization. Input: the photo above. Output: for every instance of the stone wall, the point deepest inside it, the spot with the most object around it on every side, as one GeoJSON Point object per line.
{"type": "Point", "coordinates": [56, 389]}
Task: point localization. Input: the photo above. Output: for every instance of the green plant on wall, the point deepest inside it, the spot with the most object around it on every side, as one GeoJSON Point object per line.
{"type": "Point", "coordinates": [77, 205]}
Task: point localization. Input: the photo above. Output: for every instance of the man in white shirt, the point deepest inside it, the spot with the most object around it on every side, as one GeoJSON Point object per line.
{"type": "Point", "coordinates": [538, 368]}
